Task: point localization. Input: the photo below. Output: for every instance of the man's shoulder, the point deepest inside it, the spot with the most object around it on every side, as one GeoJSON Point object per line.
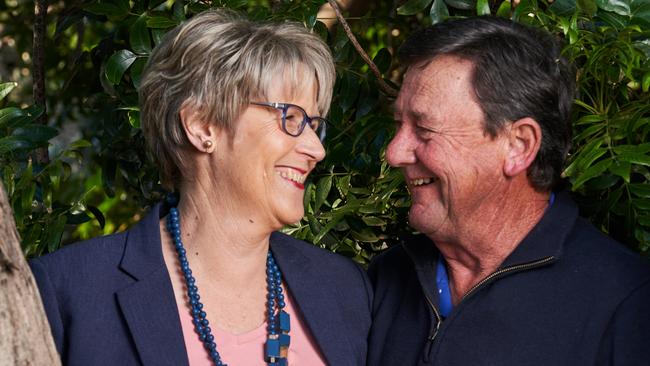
{"type": "Point", "coordinates": [615, 264]}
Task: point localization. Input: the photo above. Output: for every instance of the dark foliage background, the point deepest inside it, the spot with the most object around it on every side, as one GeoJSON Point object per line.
{"type": "Point", "coordinates": [98, 179]}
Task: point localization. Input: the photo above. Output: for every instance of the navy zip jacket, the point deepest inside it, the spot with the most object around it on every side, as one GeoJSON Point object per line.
{"type": "Point", "coordinates": [567, 295]}
{"type": "Point", "coordinates": [110, 300]}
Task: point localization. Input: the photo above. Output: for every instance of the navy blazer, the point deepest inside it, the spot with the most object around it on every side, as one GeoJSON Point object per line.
{"type": "Point", "coordinates": [110, 300]}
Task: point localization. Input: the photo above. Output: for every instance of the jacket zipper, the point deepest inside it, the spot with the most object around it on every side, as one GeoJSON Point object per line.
{"type": "Point", "coordinates": [511, 269]}
{"type": "Point", "coordinates": [434, 333]}
{"type": "Point", "coordinates": [503, 271]}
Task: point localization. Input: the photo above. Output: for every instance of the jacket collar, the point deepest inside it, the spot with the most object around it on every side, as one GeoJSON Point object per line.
{"type": "Point", "coordinates": [316, 297]}
{"type": "Point", "coordinates": [148, 305]}
{"type": "Point", "coordinates": [545, 240]}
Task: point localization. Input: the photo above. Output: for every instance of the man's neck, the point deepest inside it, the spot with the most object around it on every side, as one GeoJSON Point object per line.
{"type": "Point", "coordinates": [484, 241]}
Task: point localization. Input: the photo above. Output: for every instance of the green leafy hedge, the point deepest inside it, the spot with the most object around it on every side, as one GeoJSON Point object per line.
{"type": "Point", "coordinates": [99, 180]}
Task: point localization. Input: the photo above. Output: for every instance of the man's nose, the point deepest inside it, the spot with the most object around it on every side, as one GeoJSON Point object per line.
{"type": "Point", "coordinates": [401, 149]}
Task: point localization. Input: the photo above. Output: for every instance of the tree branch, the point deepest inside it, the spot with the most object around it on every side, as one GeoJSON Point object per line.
{"type": "Point", "coordinates": [38, 71]}
{"type": "Point", "coordinates": [382, 84]}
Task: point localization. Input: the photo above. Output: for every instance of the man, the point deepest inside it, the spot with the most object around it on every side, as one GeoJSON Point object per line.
{"type": "Point", "coordinates": [504, 271]}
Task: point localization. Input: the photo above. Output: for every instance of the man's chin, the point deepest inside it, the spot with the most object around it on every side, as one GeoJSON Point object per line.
{"type": "Point", "coordinates": [425, 223]}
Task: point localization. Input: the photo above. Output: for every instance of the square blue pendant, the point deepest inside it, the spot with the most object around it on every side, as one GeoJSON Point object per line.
{"type": "Point", "coordinates": [285, 340]}
{"type": "Point", "coordinates": [272, 348]}
{"type": "Point", "coordinates": [285, 322]}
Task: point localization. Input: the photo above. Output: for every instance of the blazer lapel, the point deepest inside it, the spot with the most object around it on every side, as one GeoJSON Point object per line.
{"type": "Point", "coordinates": [148, 304]}
{"type": "Point", "coordinates": [316, 298]}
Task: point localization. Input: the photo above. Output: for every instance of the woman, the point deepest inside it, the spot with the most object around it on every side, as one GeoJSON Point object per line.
{"type": "Point", "coordinates": [229, 110]}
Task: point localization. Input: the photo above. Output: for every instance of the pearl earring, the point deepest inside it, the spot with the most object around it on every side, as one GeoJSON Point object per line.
{"type": "Point", "coordinates": [207, 144]}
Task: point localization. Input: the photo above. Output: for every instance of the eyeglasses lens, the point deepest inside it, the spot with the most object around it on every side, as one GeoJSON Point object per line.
{"type": "Point", "coordinates": [293, 120]}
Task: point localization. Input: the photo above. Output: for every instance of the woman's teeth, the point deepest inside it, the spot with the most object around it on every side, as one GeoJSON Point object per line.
{"type": "Point", "coordinates": [293, 176]}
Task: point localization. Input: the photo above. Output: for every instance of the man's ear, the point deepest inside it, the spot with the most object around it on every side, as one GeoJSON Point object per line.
{"type": "Point", "coordinates": [524, 141]}
{"type": "Point", "coordinates": [201, 134]}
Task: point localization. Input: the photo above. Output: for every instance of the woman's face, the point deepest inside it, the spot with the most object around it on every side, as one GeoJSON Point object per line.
{"type": "Point", "coordinates": [261, 168]}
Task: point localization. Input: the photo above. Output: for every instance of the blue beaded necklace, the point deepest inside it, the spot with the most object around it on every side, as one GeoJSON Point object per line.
{"type": "Point", "coordinates": [278, 324]}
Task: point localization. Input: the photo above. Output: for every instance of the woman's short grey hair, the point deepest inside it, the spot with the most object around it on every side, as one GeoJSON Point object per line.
{"type": "Point", "coordinates": [217, 63]}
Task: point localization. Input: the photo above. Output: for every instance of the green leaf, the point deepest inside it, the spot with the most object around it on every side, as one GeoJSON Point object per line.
{"type": "Point", "coordinates": [563, 8]}
{"type": "Point", "coordinates": [329, 226]}
{"type": "Point", "coordinates": [235, 4]}
{"type": "Point", "coordinates": [413, 7]}
{"type": "Point", "coordinates": [588, 7]}
{"type": "Point", "coordinates": [134, 118]}
{"type": "Point", "coordinates": [322, 191]}
{"type": "Point", "coordinates": [590, 118]}
{"type": "Point", "coordinates": [505, 9]}
{"type": "Point", "coordinates": [461, 4]}
{"type": "Point", "coordinates": [588, 157]}
{"type": "Point", "coordinates": [161, 22]}
{"type": "Point", "coordinates": [349, 91]}
{"type": "Point", "coordinates": [35, 133]}
{"type": "Point", "coordinates": [641, 203]}
{"type": "Point", "coordinates": [640, 189]}
{"type": "Point", "coordinates": [13, 143]}
{"type": "Point", "coordinates": [81, 143]}
{"type": "Point", "coordinates": [54, 233]}
{"type": "Point", "coordinates": [635, 149]}
{"type": "Point", "coordinates": [640, 10]}
{"type": "Point", "coordinates": [6, 88]}
{"type": "Point", "coordinates": [373, 221]}
{"type": "Point", "coordinates": [635, 158]}
{"type": "Point", "coordinates": [139, 36]}
{"type": "Point", "coordinates": [592, 172]}
{"type": "Point", "coordinates": [9, 115]}
{"type": "Point", "coordinates": [439, 11]}
{"type": "Point", "coordinates": [98, 215]}
{"type": "Point", "coordinates": [383, 59]}
{"type": "Point", "coordinates": [612, 19]}
{"type": "Point", "coordinates": [157, 35]}
{"type": "Point", "coordinates": [622, 169]}
{"type": "Point", "coordinates": [343, 185]}
{"type": "Point", "coordinates": [482, 7]}
{"type": "Point", "coordinates": [645, 84]}
{"type": "Point", "coordinates": [620, 7]}
{"type": "Point", "coordinates": [108, 8]}
{"type": "Point", "coordinates": [117, 64]}
{"type": "Point", "coordinates": [29, 115]}
{"type": "Point", "coordinates": [136, 71]}
{"type": "Point", "coordinates": [365, 235]}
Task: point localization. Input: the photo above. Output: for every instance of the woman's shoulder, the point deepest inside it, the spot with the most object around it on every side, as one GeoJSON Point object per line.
{"type": "Point", "coordinates": [101, 253]}
{"type": "Point", "coordinates": [81, 257]}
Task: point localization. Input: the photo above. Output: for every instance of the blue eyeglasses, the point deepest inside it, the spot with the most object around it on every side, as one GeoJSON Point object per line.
{"type": "Point", "coordinates": [294, 119]}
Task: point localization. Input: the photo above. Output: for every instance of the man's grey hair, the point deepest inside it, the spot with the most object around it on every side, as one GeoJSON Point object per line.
{"type": "Point", "coordinates": [217, 63]}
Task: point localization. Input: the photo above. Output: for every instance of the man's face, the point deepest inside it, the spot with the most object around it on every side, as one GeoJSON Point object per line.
{"type": "Point", "coordinates": [450, 165]}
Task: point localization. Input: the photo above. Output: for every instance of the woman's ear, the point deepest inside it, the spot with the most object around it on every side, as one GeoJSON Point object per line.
{"type": "Point", "coordinates": [524, 141]}
{"type": "Point", "coordinates": [201, 134]}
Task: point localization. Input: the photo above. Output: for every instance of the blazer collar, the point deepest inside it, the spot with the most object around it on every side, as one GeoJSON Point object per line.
{"type": "Point", "coordinates": [316, 297]}
{"type": "Point", "coordinates": [148, 305]}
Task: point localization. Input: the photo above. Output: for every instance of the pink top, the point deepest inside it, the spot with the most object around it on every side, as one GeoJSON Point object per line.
{"type": "Point", "coordinates": [248, 348]}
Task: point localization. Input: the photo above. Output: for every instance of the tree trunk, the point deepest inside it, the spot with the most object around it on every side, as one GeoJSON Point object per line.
{"type": "Point", "coordinates": [25, 336]}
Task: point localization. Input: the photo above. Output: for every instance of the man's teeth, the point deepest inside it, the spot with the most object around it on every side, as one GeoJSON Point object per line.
{"type": "Point", "coordinates": [420, 181]}
{"type": "Point", "coordinates": [294, 176]}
